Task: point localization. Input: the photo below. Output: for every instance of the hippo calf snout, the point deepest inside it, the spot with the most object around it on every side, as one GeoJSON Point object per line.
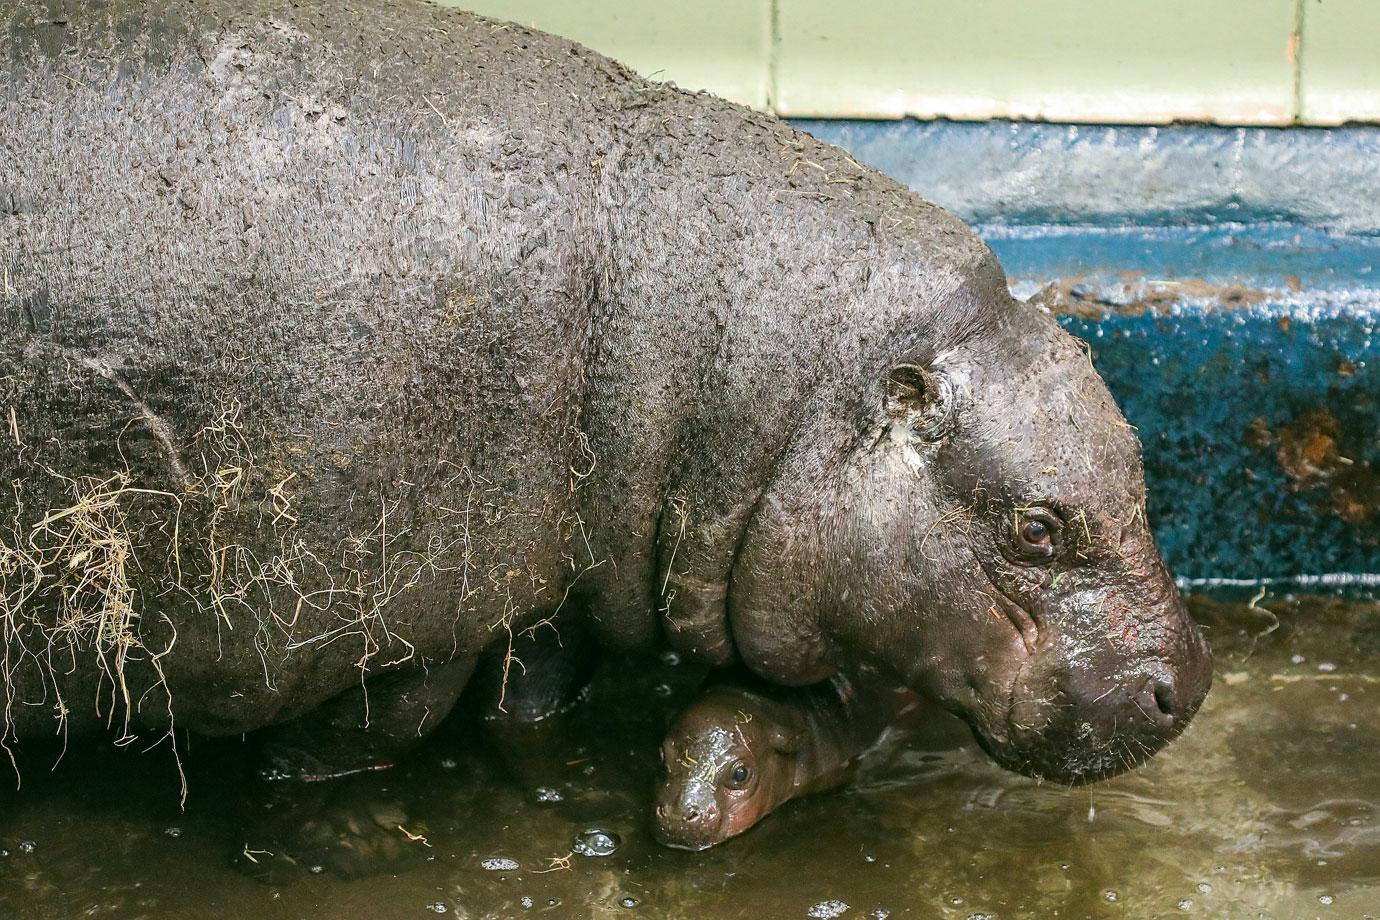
{"type": "Point", "coordinates": [687, 825]}
{"type": "Point", "coordinates": [690, 813]}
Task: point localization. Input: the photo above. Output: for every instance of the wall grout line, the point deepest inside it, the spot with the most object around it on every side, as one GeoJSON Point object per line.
{"type": "Point", "coordinates": [773, 53]}
{"type": "Point", "coordinates": [1296, 100]}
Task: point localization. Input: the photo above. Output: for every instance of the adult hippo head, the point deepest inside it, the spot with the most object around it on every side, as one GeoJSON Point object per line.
{"type": "Point", "coordinates": [984, 535]}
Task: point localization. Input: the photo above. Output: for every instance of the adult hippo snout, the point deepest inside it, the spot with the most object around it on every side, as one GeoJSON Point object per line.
{"type": "Point", "coordinates": [1103, 694]}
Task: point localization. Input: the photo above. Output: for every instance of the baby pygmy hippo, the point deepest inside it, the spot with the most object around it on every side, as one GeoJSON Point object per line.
{"type": "Point", "coordinates": [741, 750]}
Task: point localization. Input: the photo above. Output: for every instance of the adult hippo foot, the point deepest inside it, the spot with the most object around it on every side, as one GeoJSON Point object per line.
{"type": "Point", "coordinates": [543, 672]}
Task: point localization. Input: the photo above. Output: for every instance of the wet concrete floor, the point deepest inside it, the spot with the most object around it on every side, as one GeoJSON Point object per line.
{"type": "Point", "coordinates": [1268, 807]}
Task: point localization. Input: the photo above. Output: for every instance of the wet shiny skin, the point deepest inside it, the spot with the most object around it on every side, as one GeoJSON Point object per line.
{"type": "Point", "coordinates": [729, 761]}
{"type": "Point", "coordinates": [1267, 805]}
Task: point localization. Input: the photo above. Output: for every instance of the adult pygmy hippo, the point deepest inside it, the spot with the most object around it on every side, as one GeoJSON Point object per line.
{"type": "Point", "coordinates": [740, 751]}
{"type": "Point", "coordinates": [342, 340]}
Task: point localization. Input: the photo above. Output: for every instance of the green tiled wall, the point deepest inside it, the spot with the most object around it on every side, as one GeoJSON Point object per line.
{"type": "Point", "coordinates": [1339, 77]}
{"type": "Point", "coordinates": [1268, 62]}
{"type": "Point", "coordinates": [719, 45]}
{"type": "Point", "coordinates": [1080, 60]}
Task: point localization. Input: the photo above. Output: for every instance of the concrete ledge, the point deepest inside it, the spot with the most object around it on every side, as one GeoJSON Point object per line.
{"type": "Point", "coordinates": [1020, 173]}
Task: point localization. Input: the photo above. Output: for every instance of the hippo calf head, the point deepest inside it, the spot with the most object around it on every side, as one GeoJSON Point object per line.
{"type": "Point", "coordinates": [984, 536]}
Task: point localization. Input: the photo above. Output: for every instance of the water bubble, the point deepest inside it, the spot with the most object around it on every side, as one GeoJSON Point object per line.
{"type": "Point", "coordinates": [1110, 895]}
{"type": "Point", "coordinates": [1185, 904]}
{"type": "Point", "coordinates": [827, 910]}
{"type": "Point", "coordinates": [172, 832]}
{"type": "Point", "coordinates": [880, 913]}
{"type": "Point", "coordinates": [448, 763]}
{"type": "Point", "coordinates": [670, 657]}
{"type": "Point", "coordinates": [869, 857]}
{"type": "Point", "coordinates": [548, 795]}
{"type": "Point", "coordinates": [27, 846]}
{"type": "Point", "coordinates": [1325, 899]}
{"type": "Point", "coordinates": [1297, 659]}
{"type": "Point", "coordinates": [979, 917]}
{"type": "Point", "coordinates": [438, 907]}
{"type": "Point", "coordinates": [955, 901]}
{"type": "Point", "coordinates": [596, 842]}
{"type": "Point", "coordinates": [526, 902]}
{"type": "Point", "coordinates": [662, 689]}
{"type": "Point", "coordinates": [1204, 888]}
{"type": "Point", "coordinates": [500, 864]}
{"type": "Point", "coordinates": [1326, 666]}
{"type": "Point", "coordinates": [629, 901]}
{"type": "Point", "coordinates": [588, 770]}
{"type": "Point", "coordinates": [316, 870]}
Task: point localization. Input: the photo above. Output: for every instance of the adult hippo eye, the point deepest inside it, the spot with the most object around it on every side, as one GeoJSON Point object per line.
{"type": "Point", "coordinates": [1037, 534]}
{"type": "Point", "coordinates": [738, 775]}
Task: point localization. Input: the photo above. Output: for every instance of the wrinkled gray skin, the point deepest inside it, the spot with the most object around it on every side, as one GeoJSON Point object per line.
{"type": "Point", "coordinates": [401, 328]}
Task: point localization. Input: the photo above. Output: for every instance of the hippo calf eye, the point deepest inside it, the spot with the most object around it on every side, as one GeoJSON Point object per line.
{"type": "Point", "coordinates": [738, 775]}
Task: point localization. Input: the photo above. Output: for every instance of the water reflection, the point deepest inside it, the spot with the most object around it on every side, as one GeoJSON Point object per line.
{"type": "Point", "coordinates": [1267, 807]}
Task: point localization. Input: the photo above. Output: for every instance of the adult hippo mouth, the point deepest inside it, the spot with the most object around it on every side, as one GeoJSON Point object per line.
{"type": "Point", "coordinates": [1079, 709]}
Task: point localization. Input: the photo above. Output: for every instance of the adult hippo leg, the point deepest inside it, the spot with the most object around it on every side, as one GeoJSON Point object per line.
{"type": "Point", "coordinates": [717, 491]}
{"type": "Point", "coordinates": [543, 672]}
{"type": "Point", "coordinates": [366, 728]}
{"type": "Point", "coordinates": [296, 821]}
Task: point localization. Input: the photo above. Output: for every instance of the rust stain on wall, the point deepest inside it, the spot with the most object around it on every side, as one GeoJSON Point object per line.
{"type": "Point", "coordinates": [1313, 454]}
{"type": "Point", "coordinates": [1138, 294]}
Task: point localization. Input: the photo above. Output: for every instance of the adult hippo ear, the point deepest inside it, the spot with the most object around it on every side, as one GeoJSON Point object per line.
{"type": "Point", "coordinates": [921, 399]}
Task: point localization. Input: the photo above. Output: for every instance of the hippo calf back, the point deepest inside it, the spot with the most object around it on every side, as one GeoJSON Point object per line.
{"type": "Point", "coordinates": [342, 341]}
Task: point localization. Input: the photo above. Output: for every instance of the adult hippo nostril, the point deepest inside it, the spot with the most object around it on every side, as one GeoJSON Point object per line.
{"type": "Point", "coordinates": [1162, 691]}
{"type": "Point", "coordinates": [1153, 699]}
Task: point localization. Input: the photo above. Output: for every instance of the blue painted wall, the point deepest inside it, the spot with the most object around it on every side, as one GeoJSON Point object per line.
{"type": "Point", "coordinates": [1225, 280]}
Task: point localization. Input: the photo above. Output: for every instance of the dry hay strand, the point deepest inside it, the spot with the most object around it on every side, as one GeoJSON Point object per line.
{"type": "Point", "coordinates": [80, 560]}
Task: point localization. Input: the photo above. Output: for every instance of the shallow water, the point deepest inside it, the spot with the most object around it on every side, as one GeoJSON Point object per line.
{"type": "Point", "coordinates": [1269, 806]}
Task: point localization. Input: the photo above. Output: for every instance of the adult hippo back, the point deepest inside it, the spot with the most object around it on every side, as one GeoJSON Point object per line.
{"type": "Point", "coordinates": [343, 340]}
